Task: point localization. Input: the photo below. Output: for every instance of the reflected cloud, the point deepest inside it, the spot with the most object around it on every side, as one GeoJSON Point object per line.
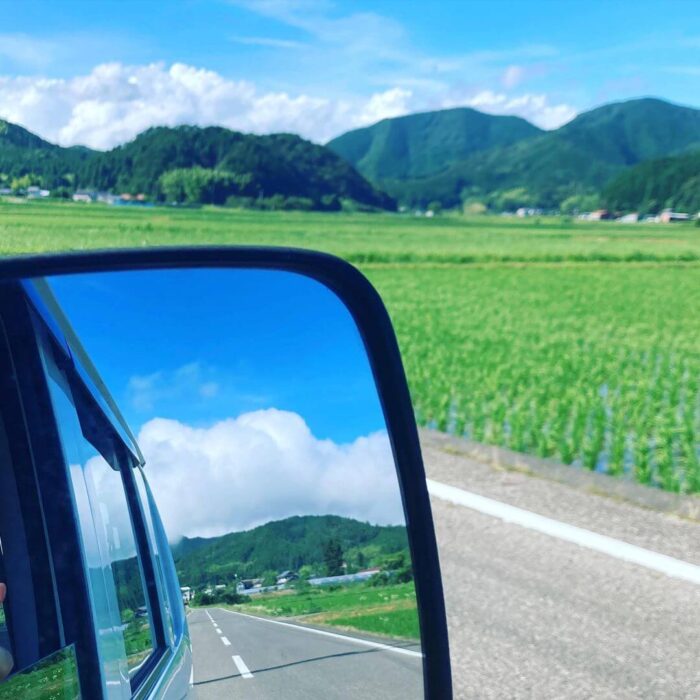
{"type": "Point", "coordinates": [261, 466]}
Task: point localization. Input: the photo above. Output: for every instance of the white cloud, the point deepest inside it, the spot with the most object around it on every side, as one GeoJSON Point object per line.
{"type": "Point", "coordinates": [533, 107]}
{"type": "Point", "coordinates": [392, 103]}
{"type": "Point", "coordinates": [114, 102]}
{"type": "Point", "coordinates": [262, 466]}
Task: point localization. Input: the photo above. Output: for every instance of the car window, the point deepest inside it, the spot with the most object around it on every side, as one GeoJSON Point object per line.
{"type": "Point", "coordinates": [171, 578]}
{"type": "Point", "coordinates": [122, 615]}
{"type": "Point", "coordinates": [156, 552]}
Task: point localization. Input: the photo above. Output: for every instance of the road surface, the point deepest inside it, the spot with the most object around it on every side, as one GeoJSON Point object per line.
{"type": "Point", "coordinates": [240, 656]}
{"type": "Point", "coordinates": [532, 615]}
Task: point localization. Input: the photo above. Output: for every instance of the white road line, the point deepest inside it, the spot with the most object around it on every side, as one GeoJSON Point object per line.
{"type": "Point", "coordinates": [344, 637]}
{"type": "Point", "coordinates": [210, 617]}
{"type": "Point", "coordinates": [226, 642]}
{"type": "Point", "coordinates": [242, 668]}
{"type": "Point", "coordinates": [675, 568]}
{"type": "Point", "coordinates": [218, 631]}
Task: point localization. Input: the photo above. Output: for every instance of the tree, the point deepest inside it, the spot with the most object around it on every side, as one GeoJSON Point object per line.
{"type": "Point", "coordinates": [306, 572]}
{"type": "Point", "coordinates": [435, 207]}
{"type": "Point", "coordinates": [577, 203]}
{"type": "Point", "coordinates": [333, 558]}
{"type": "Point", "coordinates": [202, 185]}
{"type": "Point", "coordinates": [269, 578]}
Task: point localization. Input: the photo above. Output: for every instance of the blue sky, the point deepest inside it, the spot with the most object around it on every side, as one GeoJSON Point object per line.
{"type": "Point", "coordinates": [97, 73]}
{"type": "Point", "coordinates": [201, 346]}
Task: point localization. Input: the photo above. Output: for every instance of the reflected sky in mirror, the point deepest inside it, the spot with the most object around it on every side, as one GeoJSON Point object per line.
{"type": "Point", "coordinates": [245, 384]}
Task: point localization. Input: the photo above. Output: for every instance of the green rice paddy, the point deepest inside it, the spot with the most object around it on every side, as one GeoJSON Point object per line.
{"type": "Point", "coordinates": [570, 340]}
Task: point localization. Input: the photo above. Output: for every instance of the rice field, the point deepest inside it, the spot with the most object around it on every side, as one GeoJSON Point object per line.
{"type": "Point", "coordinates": [575, 341]}
{"type": "Point", "coordinates": [594, 365]}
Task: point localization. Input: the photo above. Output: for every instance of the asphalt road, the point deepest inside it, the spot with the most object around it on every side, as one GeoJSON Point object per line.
{"type": "Point", "coordinates": [533, 616]}
{"type": "Point", "coordinates": [239, 656]}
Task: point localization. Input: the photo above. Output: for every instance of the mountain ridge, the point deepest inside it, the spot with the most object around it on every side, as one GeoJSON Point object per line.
{"type": "Point", "coordinates": [454, 157]}
{"type": "Point", "coordinates": [229, 163]}
{"type": "Point", "coordinates": [578, 158]}
{"type": "Point", "coordinates": [284, 544]}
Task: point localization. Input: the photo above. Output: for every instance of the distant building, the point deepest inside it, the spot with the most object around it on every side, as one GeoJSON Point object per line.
{"type": "Point", "coordinates": [286, 577]}
{"type": "Point", "coordinates": [106, 197]}
{"type": "Point", "coordinates": [629, 218]}
{"type": "Point", "coordinates": [35, 192]}
{"type": "Point", "coordinates": [600, 215]}
{"type": "Point", "coordinates": [5, 191]}
{"type": "Point", "coordinates": [85, 196]}
{"type": "Point", "coordinates": [522, 212]}
{"type": "Point", "coordinates": [667, 216]}
{"type": "Point", "coordinates": [344, 578]}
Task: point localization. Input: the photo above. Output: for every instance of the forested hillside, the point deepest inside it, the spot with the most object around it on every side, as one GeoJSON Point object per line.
{"type": "Point", "coordinates": [658, 184]}
{"type": "Point", "coordinates": [25, 155]}
{"type": "Point", "coordinates": [285, 544]}
{"type": "Point", "coordinates": [536, 169]}
{"type": "Point", "coordinates": [247, 166]}
{"type": "Point", "coordinates": [455, 157]}
{"type": "Point", "coordinates": [420, 145]}
{"type": "Point", "coordinates": [193, 165]}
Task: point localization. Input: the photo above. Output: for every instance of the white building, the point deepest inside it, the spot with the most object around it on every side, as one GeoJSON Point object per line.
{"type": "Point", "coordinates": [84, 196]}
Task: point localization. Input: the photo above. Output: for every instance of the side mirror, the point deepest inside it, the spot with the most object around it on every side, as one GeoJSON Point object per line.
{"type": "Point", "coordinates": [210, 478]}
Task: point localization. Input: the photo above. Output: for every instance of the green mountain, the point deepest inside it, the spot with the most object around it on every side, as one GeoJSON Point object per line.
{"type": "Point", "coordinates": [205, 164]}
{"type": "Point", "coordinates": [281, 545]}
{"type": "Point", "coordinates": [420, 145]}
{"type": "Point", "coordinates": [649, 187]}
{"type": "Point", "coordinates": [276, 164]}
{"type": "Point", "coordinates": [22, 152]}
{"type": "Point", "coordinates": [543, 168]}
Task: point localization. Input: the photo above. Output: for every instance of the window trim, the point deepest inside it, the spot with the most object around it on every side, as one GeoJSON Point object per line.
{"type": "Point", "coordinates": [96, 427]}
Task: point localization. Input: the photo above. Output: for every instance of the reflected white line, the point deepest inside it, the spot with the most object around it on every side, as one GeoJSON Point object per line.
{"type": "Point", "coordinates": [675, 568]}
{"type": "Point", "coordinates": [226, 642]}
{"type": "Point", "coordinates": [343, 637]}
{"type": "Point", "coordinates": [242, 668]}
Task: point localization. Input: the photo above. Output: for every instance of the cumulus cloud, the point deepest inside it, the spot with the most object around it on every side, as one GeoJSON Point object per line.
{"type": "Point", "coordinates": [261, 466]}
{"type": "Point", "coordinates": [115, 102]}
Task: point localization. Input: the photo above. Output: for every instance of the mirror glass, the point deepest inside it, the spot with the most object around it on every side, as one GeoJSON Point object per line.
{"type": "Point", "coordinates": [251, 399]}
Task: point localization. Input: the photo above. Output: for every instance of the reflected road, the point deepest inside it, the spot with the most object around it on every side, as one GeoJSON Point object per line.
{"type": "Point", "coordinates": [243, 656]}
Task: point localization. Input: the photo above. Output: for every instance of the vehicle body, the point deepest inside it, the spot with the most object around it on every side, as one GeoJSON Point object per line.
{"type": "Point", "coordinates": [88, 568]}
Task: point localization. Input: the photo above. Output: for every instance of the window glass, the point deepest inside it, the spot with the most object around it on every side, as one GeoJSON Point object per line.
{"type": "Point", "coordinates": [52, 678]}
{"type": "Point", "coordinates": [171, 578]}
{"type": "Point", "coordinates": [159, 564]}
{"type": "Point", "coordinates": [118, 534]}
{"type": "Point", "coordinates": [123, 618]}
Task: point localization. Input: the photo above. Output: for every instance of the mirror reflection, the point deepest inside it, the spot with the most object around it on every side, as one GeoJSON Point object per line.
{"type": "Point", "coordinates": [237, 426]}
